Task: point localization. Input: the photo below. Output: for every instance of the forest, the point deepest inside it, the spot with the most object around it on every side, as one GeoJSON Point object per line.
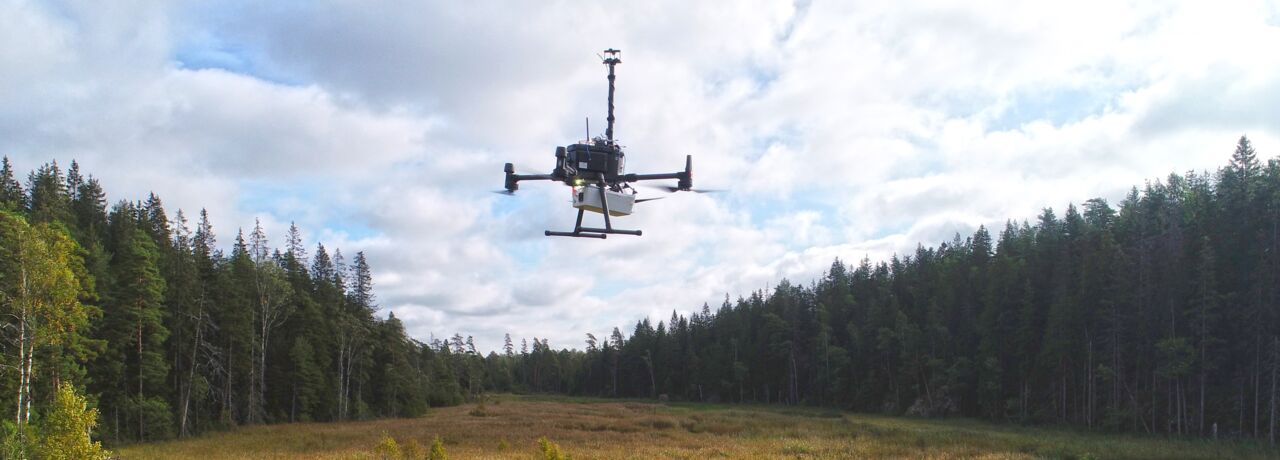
{"type": "Point", "coordinates": [1160, 315]}
{"type": "Point", "coordinates": [170, 336]}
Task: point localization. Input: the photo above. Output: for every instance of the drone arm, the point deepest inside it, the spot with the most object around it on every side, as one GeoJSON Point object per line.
{"type": "Point", "coordinates": [685, 177]}
{"type": "Point", "coordinates": [640, 177]}
{"type": "Point", "coordinates": [513, 179]}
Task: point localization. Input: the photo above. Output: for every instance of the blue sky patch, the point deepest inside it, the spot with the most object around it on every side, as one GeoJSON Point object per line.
{"type": "Point", "coordinates": [206, 51]}
{"type": "Point", "coordinates": [1056, 107]}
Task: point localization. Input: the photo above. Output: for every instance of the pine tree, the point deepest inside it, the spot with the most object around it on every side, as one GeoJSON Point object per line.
{"type": "Point", "coordinates": [306, 382]}
{"type": "Point", "coordinates": [272, 306]}
{"type": "Point", "coordinates": [12, 197]}
{"type": "Point", "coordinates": [293, 245]}
{"type": "Point", "coordinates": [135, 334]}
{"type": "Point", "coordinates": [1244, 161]}
{"type": "Point", "coordinates": [49, 200]}
{"type": "Point", "coordinates": [89, 211]}
{"type": "Point", "coordinates": [1203, 318]}
{"type": "Point", "coordinates": [362, 284]}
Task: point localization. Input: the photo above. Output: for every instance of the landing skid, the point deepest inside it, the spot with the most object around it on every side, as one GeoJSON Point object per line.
{"type": "Point", "coordinates": [591, 232]}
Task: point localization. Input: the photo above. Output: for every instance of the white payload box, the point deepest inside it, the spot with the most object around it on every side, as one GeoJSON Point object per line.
{"type": "Point", "coordinates": [587, 198]}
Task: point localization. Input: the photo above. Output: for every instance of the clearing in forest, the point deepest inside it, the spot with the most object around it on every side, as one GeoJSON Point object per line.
{"type": "Point", "coordinates": [510, 426]}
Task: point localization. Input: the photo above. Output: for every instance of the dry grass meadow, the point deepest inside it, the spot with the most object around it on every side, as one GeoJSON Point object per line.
{"type": "Point", "coordinates": [508, 427]}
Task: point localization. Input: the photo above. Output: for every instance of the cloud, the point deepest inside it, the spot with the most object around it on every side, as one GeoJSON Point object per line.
{"type": "Point", "coordinates": [841, 129]}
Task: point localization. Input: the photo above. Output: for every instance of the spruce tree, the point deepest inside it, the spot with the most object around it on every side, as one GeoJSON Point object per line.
{"type": "Point", "coordinates": [306, 384]}
{"type": "Point", "coordinates": [12, 197]}
{"type": "Point", "coordinates": [49, 200]}
{"type": "Point", "coordinates": [135, 334]}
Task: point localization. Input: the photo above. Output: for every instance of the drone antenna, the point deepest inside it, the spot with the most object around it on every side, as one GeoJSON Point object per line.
{"type": "Point", "coordinates": [614, 58]}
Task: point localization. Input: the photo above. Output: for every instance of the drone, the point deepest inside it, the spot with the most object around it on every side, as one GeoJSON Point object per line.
{"type": "Point", "coordinates": [595, 169]}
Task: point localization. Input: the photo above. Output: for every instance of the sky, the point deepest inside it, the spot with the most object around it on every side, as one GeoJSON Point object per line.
{"type": "Point", "coordinates": [839, 129]}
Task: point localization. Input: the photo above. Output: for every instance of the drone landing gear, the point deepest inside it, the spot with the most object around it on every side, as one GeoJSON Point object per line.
{"type": "Point", "coordinates": [591, 232]}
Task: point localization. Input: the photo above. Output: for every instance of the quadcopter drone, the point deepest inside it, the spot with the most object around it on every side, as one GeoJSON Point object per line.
{"type": "Point", "coordinates": [595, 169]}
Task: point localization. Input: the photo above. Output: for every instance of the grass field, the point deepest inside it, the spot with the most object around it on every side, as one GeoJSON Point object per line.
{"type": "Point", "coordinates": [509, 426]}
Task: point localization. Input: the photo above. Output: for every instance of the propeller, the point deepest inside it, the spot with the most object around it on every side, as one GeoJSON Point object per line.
{"type": "Point", "coordinates": [504, 192]}
{"type": "Point", "coordinates": [673, 189]}
{"type": "Point", "coordinates": [642, 200]}
{"type": "Point", "coordinates": [525, 169]}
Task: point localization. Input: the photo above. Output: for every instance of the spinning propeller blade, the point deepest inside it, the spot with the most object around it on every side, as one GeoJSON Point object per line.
{"type": "Point", "coordinates": [673, 189]}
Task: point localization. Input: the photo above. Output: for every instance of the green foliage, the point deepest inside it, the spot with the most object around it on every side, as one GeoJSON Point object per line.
{"type": "Point", "coordinates": [12, 197]}
{"type": "Point", "coordinates": [551, 450]}
{"type": "Point", "coordinates": [17, 441]}
{"type": "Point", "coordinates": [189, 338]}
{"type": "Point", "coordinates": [387, 448]}
{"type": "Point", "coordinates": [64, 431]}
{"type": "Point", "coordinates": [41, 285]}
{"type": "Point", "coordinates": [133, 370]}
{"type": "Point", "coordinates": [307, 379]}
{"type": "Point", "coordinates": [413, 450]}
{"type": "Point", "coordinates": [437, 450]}
{"type": "Point", "coordinates": [1155, 317]}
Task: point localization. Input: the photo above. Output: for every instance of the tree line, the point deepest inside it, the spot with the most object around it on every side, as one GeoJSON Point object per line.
{"type": "Point", "coordinates": [170, 336]}
{"type": "Point", "coordinates": [1159, 315]}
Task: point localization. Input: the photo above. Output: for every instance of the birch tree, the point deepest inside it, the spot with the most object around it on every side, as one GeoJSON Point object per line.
{"type": "Point", "coordinates": [40, 294]}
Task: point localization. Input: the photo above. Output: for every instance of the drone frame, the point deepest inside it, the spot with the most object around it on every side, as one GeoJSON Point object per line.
{"type": "Point", "coordinates": [604, 181]}
{"type": "Point", "coordinates": [684, 183]}
{"type": "Point", "coordinates": [591, 232]}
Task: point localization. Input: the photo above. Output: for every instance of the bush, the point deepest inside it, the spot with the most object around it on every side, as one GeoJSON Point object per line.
{"type": "Point", "coordinates": [413, 450]}
{"type": "Point", "coordinates": [15, 441]}
{"type": "Point", "coordinates": [64, 433]}
{"type": "Point", "coordinates": [551, 451]}
{"type": "Point", "coordinates": [437, 450]}
{"type": "Point", "coordinates": [387, 448]}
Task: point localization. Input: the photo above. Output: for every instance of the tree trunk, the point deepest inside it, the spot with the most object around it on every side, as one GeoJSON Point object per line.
{"type": "Point", "coordinates": [228, 408]}
{"type": "Point", "coordinates": [26, 341]}
{"type": "Point", "coordinates": [31, 358]}
{"type": "Point", "coordinates": [653, 382]}
{"type": "Point", "coordinates": [1240, 405]}
{"type": "Point", "coordinates": [262, 369]}
{"type": "Point", "coordinates": [342, 352]}
{"type": "Point", "coordinates": [1257, 366]}
{"type": "Point", "coordinates": [1275, 362]}
{"type": "Point", "coordinates": [1203, 368]}
{"type": "Point", "coordinates": [142, 424]}
{"type": "Point", "coordinates": [191, 376]}
{"type": "Point", "coordinates": [22, 369]}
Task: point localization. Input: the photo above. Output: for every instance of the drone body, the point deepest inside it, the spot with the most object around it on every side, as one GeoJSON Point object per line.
{"type": "Point", "coordinates": [596, 170]}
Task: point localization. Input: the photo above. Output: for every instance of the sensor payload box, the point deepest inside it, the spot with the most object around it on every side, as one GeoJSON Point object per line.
{"type": "Point", "coordinates": [588, 198]}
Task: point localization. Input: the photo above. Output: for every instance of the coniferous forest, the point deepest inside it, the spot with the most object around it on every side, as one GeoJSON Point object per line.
{"type": "Point", "coordinates": [1159, 314]}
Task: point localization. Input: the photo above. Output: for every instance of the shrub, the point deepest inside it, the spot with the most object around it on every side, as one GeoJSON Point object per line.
{"type": "Point", "coordinates": [413, 450]}
{"type": "Point", "coordinates": [503, 445]}
{"type": "Point", "coordinates": [387, 448]}
{"type": "Point", "coordinates": [437, 450]}
{"type": "Point", "coordinates": [65, 430]}
{"type": "Point", "coordinates": [551, 451]}
{"type": "Point", "coordinates": [661, 423]}
{"type": "Point", "coordinates": [15, 441]}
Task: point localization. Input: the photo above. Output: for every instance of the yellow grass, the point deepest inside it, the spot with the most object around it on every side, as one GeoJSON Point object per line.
{"type": "Point", "coordinates": [509, 428]}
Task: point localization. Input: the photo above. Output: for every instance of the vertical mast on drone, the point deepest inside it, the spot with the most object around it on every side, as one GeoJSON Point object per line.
{"type": "Point", "coordinates": [613, 57]}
